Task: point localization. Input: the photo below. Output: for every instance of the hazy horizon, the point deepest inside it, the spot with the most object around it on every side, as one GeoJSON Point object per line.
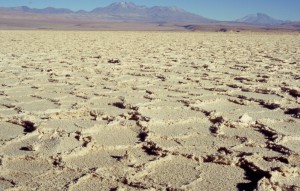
{"type": "Point", "coordinates": [224, 11]}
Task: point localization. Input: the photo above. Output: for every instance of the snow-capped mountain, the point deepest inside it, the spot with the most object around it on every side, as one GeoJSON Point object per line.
{"type": "Point", "coordinates": [260, 19]}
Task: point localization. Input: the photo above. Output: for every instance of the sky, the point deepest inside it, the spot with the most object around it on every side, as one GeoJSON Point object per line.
{"type": "Point", "coordinates": [224, 10]}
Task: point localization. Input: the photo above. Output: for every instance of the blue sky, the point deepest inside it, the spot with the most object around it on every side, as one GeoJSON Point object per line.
{"type": "Point", "coordinates": [215, 9]}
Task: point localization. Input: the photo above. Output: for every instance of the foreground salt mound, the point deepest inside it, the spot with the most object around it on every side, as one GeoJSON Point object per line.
{"type": "Point", "coordinates": [246, 119]}
{"type": "Point", "coordinates": [149, 111]}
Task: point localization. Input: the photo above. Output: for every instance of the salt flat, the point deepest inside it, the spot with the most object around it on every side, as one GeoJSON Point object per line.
{"type": "Point", "coordinates": [149, 111]}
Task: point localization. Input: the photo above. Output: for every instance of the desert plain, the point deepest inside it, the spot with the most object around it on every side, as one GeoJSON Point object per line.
{"type": "Point", "coordinates": [172, 111]}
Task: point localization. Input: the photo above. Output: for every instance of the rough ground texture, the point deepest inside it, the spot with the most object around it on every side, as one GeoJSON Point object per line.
{"type": "Point", "coordinates": [149, 111]}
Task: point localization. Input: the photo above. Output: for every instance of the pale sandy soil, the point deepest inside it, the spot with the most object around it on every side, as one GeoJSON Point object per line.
{"type": "Point", "coordinates": [180, 111]}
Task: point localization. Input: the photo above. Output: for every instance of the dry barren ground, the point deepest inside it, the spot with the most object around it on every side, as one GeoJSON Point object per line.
{"type": "Point", "coordinates": [149, 111]}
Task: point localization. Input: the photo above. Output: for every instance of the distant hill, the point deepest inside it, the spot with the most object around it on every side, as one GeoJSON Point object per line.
{"type": "Point", "coordinates": [48, 10]}
{"type": "Point", "coordinates": [260, 19]}
{"type": "Point", "coordinates": [291, 24]}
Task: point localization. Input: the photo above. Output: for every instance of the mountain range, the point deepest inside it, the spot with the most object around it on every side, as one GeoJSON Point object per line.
{"type": "Point", "coordinates": [124, 12]}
